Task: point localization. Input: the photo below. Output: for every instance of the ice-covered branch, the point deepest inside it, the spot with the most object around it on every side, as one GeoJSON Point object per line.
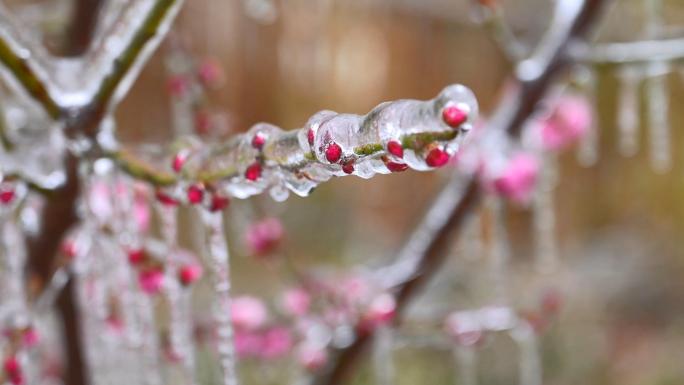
{"type": "Point", "coordinates": [21, 70]}
{"type": "Point", "coordinates": [393, 137]}
{"type": "Point", "coordinates": [427, 249]}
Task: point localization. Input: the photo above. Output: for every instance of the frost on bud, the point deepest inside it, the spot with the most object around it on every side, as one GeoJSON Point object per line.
{"type": "Point", "coordinates": [195, 194]}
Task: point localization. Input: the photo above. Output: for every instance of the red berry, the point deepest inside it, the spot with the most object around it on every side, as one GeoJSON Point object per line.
{"type": "Point", "coordinates": [333, 153]}
{"type": "Point", "coordinates": [136, 256]}
{"type": "Point", "coordinates": [165, 199]}
{"type": "Point", "coordinates": [195, 194]}
{"type": "Point", "coordinates": [395, 148]}
{"type": "Point", "coordinates": [188, 274]}
{"type": "Point", "coordinates": [218, 203]}
{"type": "Point", "coordinates": [454, 116]}
{"type": "Point", "coordinates": [258, 141]}
{"type": "Point", "coordinates": [7, 196]}
{"type": "Point", "coordinates": [437, 158]}
{"type": "Point", "coordinates": [310, 136]}
{"type": "Point", "coordinates": [396, 167]}
{"type": "Point", "coordinates": [348, 167]}
{"type": "Point", "coordinates": [253, 172]}
{"type": "Point", "coordinates": [178, 162]}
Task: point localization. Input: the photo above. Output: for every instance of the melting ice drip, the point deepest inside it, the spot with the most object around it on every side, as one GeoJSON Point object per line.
{"type": "Point", "coordinates": [393, 137]}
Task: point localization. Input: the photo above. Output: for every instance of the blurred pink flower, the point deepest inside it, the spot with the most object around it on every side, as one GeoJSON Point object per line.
{"type": "Point", "coordinates": [247, 343]}
{"type": "Point", "coordinates": [248, 313]}
{"type": "Point", "coordinates": [264, 236]}
{"type": "Point", "coordinates": [570, 120]}
{"type": "Point", "coordinates": [211, 73]}
{"type": "Point", "coordinates": [382, 309]}
{"type": "Point", "coordinates": [463, 329]}
{"type": "Point", "coordinates": [151, 281]}
{"type": "Point", "coordinates": [296, 302]}
{"type": "Point", "coordinates": [277, 342]}
{"type": "Point", "coordinates": [312, 358]}
{"type": "Point", "coordinates": [518, 179]}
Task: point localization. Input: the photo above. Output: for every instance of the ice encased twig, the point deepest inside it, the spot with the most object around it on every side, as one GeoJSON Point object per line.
{"type": "Point", "coordinates": [392, 137]}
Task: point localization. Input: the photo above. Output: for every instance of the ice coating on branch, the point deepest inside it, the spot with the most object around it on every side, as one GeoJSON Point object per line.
{"type": "Point", "coordinates": [392, 137]}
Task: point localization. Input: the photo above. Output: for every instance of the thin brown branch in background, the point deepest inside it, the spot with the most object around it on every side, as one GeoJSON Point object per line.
{"type": "Point", "coordinates": [510, 116]}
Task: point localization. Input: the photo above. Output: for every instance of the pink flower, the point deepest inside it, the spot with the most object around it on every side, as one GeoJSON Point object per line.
{"type": "Point", "coordinates": [264, 236]}
{"type": "Point", "coordinates": [277, 342]}
{"type": "Point", "coordinates": [178, 85]}
{"type": "Point", "coordinates": [248, 313]}
{"type": "Point", "coordinates": [312, 358]}
{"type": "Point", "coordinates": [569, 122]}
{"type": "Point", "coordinates": [296, 302]}
{"type": "Point", "coordinates": [247, 344]}
{"type": "Point", "coordinates": [518, 179]}
{"type": "Point", "coordinates": [151, 281]}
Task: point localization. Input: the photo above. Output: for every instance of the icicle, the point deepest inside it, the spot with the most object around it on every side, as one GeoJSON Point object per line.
{"type": "Point", "coordinates": [628, 111]}
{"type": "Point", "coordinates": [543, 217]}
{"type": "Point", "coordinates": [466, 364]}
{"type": "Point", "coordinates": [530, 371]}
{"type": "Point", "coordinates": [472, 243]}
{"type": "Point", "coordinates": [497, 249]}
{"type": "Point", "coordinates": [220, 273]}
{"type": "Point", "coordinates": [658, 117]}
{"type": "Point", "coordinates": [588, 150]}
{"type": "Point", "coordinates": [383, 360]}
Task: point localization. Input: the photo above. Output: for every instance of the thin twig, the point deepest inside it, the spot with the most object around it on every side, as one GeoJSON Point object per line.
{"type": "Point", "coordinates": [443, 222]}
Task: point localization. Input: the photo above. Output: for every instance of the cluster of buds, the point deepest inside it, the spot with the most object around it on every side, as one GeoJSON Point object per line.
{"type": "Point", "coordinates": [151, 271]}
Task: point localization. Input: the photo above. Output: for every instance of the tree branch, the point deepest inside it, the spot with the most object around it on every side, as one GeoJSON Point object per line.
{"type": "Point", "coordinates": [427, 249]}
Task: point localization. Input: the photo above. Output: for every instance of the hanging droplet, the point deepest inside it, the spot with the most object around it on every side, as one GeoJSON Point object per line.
{"type": "Point", "coordinates": [628, 111]}
{"type": "Point", "coordinates": [466, 364]}
{"type": "Point", "coordinates": [498, 249]}
{"type": "Point", "coordinates": [588, 150]}
{"type": "Point", "coordinates": [383, 360]}
{"type": "Point", "coordinates": [658, 117]}
{"type": "Point", "coordinates": [530, 371]}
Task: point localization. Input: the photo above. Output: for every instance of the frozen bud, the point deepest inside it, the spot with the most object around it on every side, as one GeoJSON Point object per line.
{"type": "Point", "coordinates": [7, 193]}
{"type": "Point", "coordinates": [136, 256]}
{"type": "Point", "coordinates": [218, 203]}
{"type": "Point", "coordinates": [189, 273]}
{"type": "Point", "coordinates": [381, 311]}
{"type": "Point", "coordinates": [264, 236]}
{"type": "Point", "coordinates": [195, 194]}
{"type": "Point", "coordinates": [211, 73]}
{"type": "Point", "coordinates": [248, 313]}
{"type": "Point", "coordinates": [296, 302]}
{"type": "Point", "coordinates": [151, 281]}
{"type": "Point", "coordinates": [30, 337]}
{"type": "Point", "coordinates": [464, 328]}
{"type": "Point", "coordinates": [518, 178]}
{"type": "Point", "coordinates": [69, 249]}
{"type": "Point", "coordinates": [178, 86]}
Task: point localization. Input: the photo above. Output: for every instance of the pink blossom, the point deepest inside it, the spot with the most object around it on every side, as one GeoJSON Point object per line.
{"type": "Point", "coordinates": [296, 301]}
{"type": "Point", "coordinates": [569, 122]}
{"type": "Point", "coordinates": [277, 342]}
{"type": "Point", "coordinates": [518, 179]}
{"type": "Point", "coordinates": [264, 236]}
{"type": "Point", "coordinates": [247, 343]}
{"type": "Point", "coordinates": [151, 281]}
{"type": "Point", "coordinates": [178, 85]}
{"type": "Point", "coordinates": [312, 358]}
{"type": "Point", "coordinates": [248, 313]}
